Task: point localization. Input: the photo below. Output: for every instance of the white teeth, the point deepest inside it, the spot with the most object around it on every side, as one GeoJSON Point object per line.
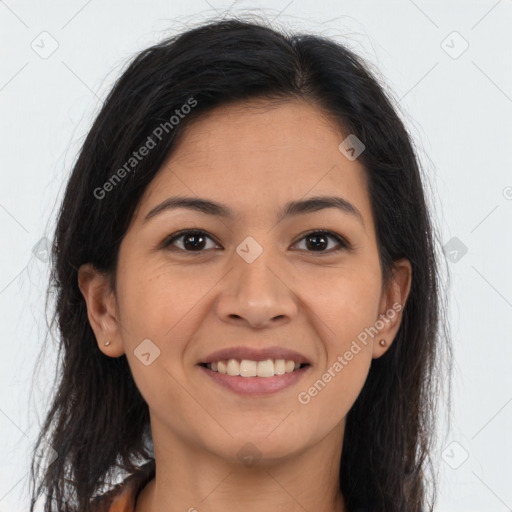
{"type": "Point", "coordinates": [233, 367]}
{"type": "Point", "coordinates": [248, 368]}
{"type": "Point", "coordinates": [279, 367]}
{"type": "Point", "coordinates": [221, 367]}
{"type": "Point", "coordinates": [266, 368]}
{"type": "Point", "coordinates": [289, 366]}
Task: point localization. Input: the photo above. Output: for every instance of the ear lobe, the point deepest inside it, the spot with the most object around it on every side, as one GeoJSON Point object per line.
{"type": "Point", "coordinates": [393, 300]}
{"type": "Point", "coordinates": [101, 309]}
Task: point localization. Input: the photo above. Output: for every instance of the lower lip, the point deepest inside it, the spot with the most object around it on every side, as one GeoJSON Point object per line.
{"type": "Point", "coordinates": [256, 385]}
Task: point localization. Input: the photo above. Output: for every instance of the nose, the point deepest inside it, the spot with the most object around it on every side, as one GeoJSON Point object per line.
{"type": "Point", "coordinates": [257, 294]}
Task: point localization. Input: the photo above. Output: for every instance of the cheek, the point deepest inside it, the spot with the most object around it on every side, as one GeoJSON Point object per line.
{"type": "Point", "coordinates": [337, 381]}
{"type": "Point", "coordinates": [154, 299]}
{"type": "Point", "coordinates": [345, 298]}
{"type": "Point", "coordinates": [347, 303]}
{"type": "Point", "coordinates": [330, 392]}
{"type": "Point", "coordinates": [164, 304]}
{"type": "Point", "coordinates": [155, 312]}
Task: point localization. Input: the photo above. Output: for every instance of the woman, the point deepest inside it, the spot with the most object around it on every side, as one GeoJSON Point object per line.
{"type": "Point", "coordinates": [247, 288]}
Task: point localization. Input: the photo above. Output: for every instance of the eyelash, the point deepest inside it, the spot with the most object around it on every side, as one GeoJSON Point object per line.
{"type": "Point", "coordinates": [343, 243]}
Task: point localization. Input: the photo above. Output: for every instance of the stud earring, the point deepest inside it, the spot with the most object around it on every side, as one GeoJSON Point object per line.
{"type": "Point", "coordinates": [107, 343]}
{"type": "Point", "coordinates": [382, 343]}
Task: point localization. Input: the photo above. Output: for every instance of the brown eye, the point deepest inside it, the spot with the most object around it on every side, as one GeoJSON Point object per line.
{"type": "Point", "coordinates": [196, 241]}
{"type": "Point", "coordinates": [318, 241]}
{"type": "Point", "coordinates": [190, 241]}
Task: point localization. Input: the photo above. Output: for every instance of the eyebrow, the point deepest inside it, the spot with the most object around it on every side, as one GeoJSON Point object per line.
{"type": "Point", "coordinates": [290, 209]}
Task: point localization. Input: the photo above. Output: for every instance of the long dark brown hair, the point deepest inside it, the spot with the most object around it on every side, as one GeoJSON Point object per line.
{"type": "Point", "coordinates": [97, 421]}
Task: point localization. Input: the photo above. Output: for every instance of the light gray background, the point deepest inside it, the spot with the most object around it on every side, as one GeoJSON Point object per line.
{"type": "Point", "coordinates": [456, 105]}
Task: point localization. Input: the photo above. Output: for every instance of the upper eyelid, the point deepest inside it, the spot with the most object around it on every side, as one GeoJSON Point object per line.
{"type": "Point", "coordinates": [343, 242]}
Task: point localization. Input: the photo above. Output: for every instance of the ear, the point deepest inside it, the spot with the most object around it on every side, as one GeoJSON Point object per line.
{"type": "Point", "coordinates": [393, 299]}
{"type": "Point", "coordinates": [101, 309]}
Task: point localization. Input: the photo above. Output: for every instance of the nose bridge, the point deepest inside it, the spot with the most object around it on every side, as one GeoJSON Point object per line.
{"type": "Point", "coordinates": [256, 276]}
{"type": "Point", "coordinates": [256, 289]}
{"type": "Point", "coordinates": [254, 262]}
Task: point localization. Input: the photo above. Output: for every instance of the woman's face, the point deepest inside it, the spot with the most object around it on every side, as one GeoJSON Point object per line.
{"type": "Point", "coordinates": [253, 281]}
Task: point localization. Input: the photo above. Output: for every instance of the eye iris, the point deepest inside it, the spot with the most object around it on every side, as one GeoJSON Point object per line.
{"type": "Point", "coordinates": [195, 241]}
{"type": "Point", "coordinates": [187, 238]}
{"type": "Point", "coordinates": [316, 244]}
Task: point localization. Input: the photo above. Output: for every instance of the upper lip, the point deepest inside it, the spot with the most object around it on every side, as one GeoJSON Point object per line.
{"type": "Point", "coordinates": [256, 354]}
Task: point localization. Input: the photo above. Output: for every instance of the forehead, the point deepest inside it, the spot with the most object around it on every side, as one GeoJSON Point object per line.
{"type": "Point", "coordinates": [258, 126]}
{"type": "Point", "coordinates": [256, 153]}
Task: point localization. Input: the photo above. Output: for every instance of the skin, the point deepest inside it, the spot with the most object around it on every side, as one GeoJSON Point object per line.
{"type": "Point", "coordinates": [190, 304]}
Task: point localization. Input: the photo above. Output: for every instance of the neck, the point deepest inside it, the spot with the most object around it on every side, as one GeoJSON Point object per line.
{"type": "Point", "coordinates": [192, 480]}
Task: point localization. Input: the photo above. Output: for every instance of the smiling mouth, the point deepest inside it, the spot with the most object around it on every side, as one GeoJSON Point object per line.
{"type": "Point", "coordinates": [249, 368]}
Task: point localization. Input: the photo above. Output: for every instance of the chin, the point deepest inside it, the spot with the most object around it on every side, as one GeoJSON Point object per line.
{"type": "Point", "coordinates": [264, 449]}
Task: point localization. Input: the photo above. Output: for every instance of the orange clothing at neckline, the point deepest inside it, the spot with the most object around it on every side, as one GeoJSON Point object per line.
{"type": "Point", "coordinates": [123, 496]}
